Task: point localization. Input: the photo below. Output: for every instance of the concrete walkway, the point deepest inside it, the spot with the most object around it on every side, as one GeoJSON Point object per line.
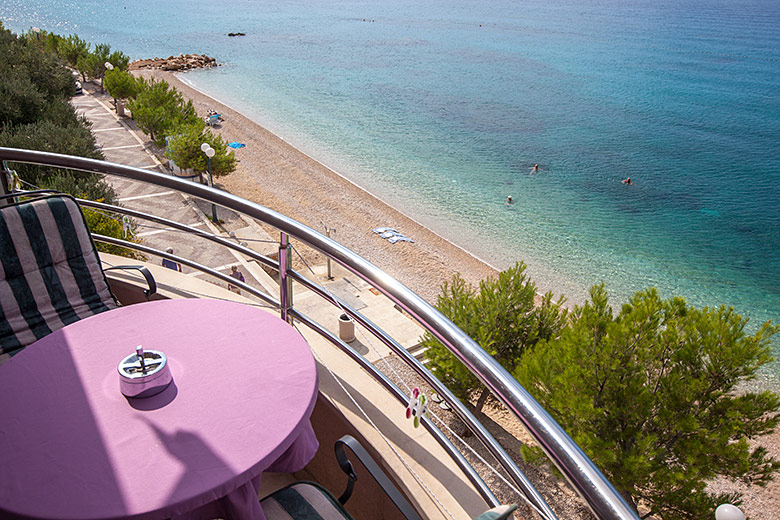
{"type": "Point", "coordinates": [122, 142]}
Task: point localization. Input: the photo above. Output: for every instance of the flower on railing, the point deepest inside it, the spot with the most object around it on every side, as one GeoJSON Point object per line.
{"type": "Point", "coordinates": [418, 407]}
{"type": "Point", "coordinates": [127, 226]}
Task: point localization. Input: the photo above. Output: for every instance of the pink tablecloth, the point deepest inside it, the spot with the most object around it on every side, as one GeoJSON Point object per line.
{"type": "Point", "coordinates": [72, 446]}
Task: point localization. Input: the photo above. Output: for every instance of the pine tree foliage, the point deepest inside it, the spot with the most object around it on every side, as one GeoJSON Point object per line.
{"type": "Point", "coordinates": [161, 111]}
{"type": "Point", "coordinates": [35, 114]}
{"type": "Point", "coordinates": [73, 48]}
{"type": "Point", "coordinates": [121, 84]}
{"type": "Point", "coordinates": [501, 317]}
{"type": "Point", "coordinates": [655, 397]}
{"type": "Point", "coordinates": [184, 150]}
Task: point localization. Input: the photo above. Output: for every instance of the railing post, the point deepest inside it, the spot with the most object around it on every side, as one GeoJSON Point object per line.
{"type": "Point", "coordinates": [285, 281]}
{"type": "Point", "coordinates": [6, 179]}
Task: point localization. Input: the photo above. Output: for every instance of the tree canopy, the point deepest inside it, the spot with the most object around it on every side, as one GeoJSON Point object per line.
{"type": "Point", "coordinates": [32, 81]}
{"type": "Point", "coordinates": [121, 84]}
{"type": "Point", "coordinates": [501, 317]}
{"type": "Point", "coordinates": [35, 114]}
{"type": "Point", "coordinates": [653, 396]}
{"type": "Point", "coordinates": [184, 150]}
{"type": "Point", "coordinates": [72, 48]}
{"type": "Point", "coordinates": [160, 111]}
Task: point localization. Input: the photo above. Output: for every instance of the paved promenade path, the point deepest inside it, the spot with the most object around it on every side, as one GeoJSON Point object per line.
{"type": "Point", "coordinates": [123, 143]}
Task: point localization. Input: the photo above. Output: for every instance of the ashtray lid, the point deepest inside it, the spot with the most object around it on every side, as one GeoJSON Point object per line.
{"type": "Point", "coordinates": [142, 366]}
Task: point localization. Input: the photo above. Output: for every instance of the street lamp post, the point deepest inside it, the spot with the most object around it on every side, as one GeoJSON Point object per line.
{"type": "Point", "coordinates": [108, 66]}
{"type": "Point", "coordinates": [209, 151]}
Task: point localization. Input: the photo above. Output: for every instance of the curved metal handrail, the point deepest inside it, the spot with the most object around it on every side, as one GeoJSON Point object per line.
{"type": "Point", "coordinates": [474, 425]}
{"type": "Point", "coordinates": [602, 498]}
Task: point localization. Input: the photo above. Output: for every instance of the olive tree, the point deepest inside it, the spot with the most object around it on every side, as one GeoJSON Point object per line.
{"type": "Point", "coordinates": [655, 397]}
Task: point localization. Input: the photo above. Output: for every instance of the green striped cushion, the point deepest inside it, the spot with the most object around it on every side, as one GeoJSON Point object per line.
{"type": "Point", "coordinates": [498, 513]}
{"type": "Point", "coordinates": [303, 501]}
{"type": "Point", "coordinates": [50, 274]}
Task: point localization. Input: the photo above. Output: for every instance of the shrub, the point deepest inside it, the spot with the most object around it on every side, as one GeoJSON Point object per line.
{"type": "Point", "coordinates": [47, 136]}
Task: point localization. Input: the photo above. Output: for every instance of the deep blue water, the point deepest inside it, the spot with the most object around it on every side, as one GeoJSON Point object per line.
{"type": "Point", "coordinates": [442, 108]}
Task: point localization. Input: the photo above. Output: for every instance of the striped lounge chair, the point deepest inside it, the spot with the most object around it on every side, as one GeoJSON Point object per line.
{"type": "Point", "coordinates": [50, 274]}
{"type": "Point", "coordinates": [310, 501]}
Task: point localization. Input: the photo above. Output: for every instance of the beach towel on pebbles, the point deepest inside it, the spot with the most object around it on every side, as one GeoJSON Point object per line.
{"type": "Point", "coordinates": [236, 144]}
{"type": "Point", "coordinates": [392, 235]}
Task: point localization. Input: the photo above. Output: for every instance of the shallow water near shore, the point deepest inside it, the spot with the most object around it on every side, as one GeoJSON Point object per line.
{"type": "Point", "coordinates": [442, 109]}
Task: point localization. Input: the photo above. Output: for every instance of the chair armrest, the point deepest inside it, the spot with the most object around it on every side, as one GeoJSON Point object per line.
{"type": "Point", "coordinates": [498, 513]}
{"type": "Point", "coordinates": [146, 274]}
{"type": "Point", "coordinates": [376, 472]}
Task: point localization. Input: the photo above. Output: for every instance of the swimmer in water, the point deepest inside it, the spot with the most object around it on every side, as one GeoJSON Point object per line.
{"type": "Point", "coordinates": [508, 201]}
{"type": "Point", "coordinates": [627, 181]}
{"type": "Point", "coordinates": [535, 169]}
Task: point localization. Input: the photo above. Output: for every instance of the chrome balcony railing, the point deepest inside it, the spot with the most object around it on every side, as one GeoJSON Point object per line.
{"type": "Point", "coordinates": [602, 498]}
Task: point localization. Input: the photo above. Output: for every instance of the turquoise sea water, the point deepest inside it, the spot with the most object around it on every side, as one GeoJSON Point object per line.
{"type": "Point", "coordinates": [442, 108]}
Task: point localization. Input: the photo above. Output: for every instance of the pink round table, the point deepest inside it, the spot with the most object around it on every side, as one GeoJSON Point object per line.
{"type": "Point", "coordinates": [72, 446]}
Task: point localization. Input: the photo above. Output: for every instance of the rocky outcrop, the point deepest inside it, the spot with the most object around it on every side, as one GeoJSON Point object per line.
{"type": "Point", "coordinates": [178, 63]}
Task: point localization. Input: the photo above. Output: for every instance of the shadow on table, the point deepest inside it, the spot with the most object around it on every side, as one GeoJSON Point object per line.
{"type": "Point", "coordinates": [49, 427]}
{"type": "Point", "coordinates": [157, 401]}
{"type": "Point", "coordinates": [201, 464]}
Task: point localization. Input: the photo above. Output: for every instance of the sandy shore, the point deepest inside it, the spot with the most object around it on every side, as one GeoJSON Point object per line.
{"type": "Point", "coordinates": [273, 173]}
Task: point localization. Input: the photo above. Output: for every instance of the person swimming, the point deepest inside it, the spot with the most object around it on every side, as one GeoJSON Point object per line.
{"type": "Point", "coordinates": [508, 201]}
{"type": "Point", "coordinates": [535, 169]}
{"type": "Point", "coordinates": [627, 181]}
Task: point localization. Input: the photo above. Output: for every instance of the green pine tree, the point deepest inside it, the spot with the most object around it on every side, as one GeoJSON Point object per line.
{"type": "Point", "coordinates": [653, 396]}
{"type": "Point", "coordinates": [501, 317]}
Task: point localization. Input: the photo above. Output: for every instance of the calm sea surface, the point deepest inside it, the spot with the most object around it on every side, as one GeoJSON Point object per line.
{"type": "Point", "coordinates": [442, 108]}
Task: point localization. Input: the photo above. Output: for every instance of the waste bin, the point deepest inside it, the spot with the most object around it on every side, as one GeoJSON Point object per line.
{"type": "Point", "coordinates": [346, 328]}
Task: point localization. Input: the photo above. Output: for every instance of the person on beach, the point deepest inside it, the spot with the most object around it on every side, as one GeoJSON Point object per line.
{"type": "Point", "coordinates": [238, 275]}
{"type": "Point", "coordinates": [170, 264]}
{"type": "Point", "coordinates": [508, 201]}
{"type": "Point", "coordinates": [627, 181]}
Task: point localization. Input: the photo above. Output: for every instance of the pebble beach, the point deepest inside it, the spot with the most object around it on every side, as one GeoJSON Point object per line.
{"type": "Point", "coordinates": [273, 173]}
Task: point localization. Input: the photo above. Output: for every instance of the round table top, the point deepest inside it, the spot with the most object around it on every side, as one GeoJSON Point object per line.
{"type": "Point", "coordinates": [72, 446]}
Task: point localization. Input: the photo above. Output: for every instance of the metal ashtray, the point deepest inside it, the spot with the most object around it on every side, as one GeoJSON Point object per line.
{"type": "Point", "coordinates": [144, 373]}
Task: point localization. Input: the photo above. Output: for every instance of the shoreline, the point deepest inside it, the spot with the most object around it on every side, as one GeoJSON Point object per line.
{"type": "Point", "coordinates": [335, 172]}
{"type": "Point", "coordinates": [274, 173]}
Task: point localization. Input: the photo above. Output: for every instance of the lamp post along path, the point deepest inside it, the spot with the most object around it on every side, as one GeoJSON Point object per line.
{"type": "Point", "coordinates": [107, 65]}
{"type": "Point", "coordinates": [209, 151]}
